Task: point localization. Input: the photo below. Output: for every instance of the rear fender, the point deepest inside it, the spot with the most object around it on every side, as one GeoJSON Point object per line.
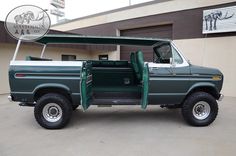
{"type": "Point", "coordinates": [52, 86]}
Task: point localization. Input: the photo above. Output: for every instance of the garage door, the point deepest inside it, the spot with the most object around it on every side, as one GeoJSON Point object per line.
{"type": "Point", "coordinates": [161, 31]}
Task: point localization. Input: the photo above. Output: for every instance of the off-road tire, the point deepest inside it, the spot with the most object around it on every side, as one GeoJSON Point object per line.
{"type": "Point", "coordinates": [188, 105]}
{"type": "Point", "coordinates": [59, 100]}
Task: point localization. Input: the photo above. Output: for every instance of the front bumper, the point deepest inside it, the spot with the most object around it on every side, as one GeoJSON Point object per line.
{"type": "Point", "coordinates": [10, 98]}
{"type": "Point", "coordinates": [221, 97]}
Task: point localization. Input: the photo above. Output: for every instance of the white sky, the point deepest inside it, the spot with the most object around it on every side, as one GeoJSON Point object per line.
{"type": "Point", "coordinates": [73, 8]}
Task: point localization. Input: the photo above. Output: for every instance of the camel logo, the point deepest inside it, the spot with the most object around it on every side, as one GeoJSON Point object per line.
{"type": "Point", "coordinates": [27, 22]}
{"type": "Point", "coordinates": [219, 20]}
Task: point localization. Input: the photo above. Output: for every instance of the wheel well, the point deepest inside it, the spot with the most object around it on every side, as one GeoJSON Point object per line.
{"type": "Point", "coordinates": [39, 93]}
{"type": "Point", "coordinates": [209, 90]}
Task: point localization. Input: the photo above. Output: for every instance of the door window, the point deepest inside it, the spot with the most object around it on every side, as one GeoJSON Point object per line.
{"type": "Point", "coordinates": [163, 54]}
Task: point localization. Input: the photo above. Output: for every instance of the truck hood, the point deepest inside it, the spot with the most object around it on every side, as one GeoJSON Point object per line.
{"type": "Point", "coordinates": [204, 70]}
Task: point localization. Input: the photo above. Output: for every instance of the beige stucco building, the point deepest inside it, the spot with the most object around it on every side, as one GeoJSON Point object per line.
{"type": "Point", "coordinates": [180, 20]}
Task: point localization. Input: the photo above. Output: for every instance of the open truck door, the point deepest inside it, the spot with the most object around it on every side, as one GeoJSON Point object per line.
{"type": "Point", "coordinates": [143, 76]}
{"type": "Point", "coordinates": [145, 84]}
{"type": "Point", "coordinates": [86, 85]}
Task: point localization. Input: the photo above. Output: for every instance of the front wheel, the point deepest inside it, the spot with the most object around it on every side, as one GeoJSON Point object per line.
{"type": "Point", "coordinates": [53, 111]}
{"type": "Point", "coordinates": [200, 109]}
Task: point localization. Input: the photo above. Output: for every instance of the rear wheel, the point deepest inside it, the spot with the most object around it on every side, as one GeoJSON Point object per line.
{"type": "Point", "coordinates": [200, 109]}
{"type": "Point", "coordinates": [53, 111]}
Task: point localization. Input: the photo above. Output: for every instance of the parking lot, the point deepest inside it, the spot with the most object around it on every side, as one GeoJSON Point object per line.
{"type": "Point", "coordinates": [117, 130]}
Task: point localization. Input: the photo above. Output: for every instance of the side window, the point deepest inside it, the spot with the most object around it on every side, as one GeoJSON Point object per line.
{"type": "Point", "coordinates": [177, 58]}
{"type": "Point", "coordinates": [163, 53]}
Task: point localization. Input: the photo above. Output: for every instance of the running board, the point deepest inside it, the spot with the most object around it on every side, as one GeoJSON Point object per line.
{"type": "Point", "coordinates": [27, 104]}
{"type": "Point", "coordinates": [109, 102]}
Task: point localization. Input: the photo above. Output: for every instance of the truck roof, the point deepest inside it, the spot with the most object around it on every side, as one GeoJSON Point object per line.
{"type": "Point", "coordinates": [114, 40]}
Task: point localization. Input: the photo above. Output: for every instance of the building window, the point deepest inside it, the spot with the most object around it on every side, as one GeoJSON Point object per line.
{"type": "Point", "coordinates": [68, 57]}
{"type": "Point", "coordinates": [103, 57]}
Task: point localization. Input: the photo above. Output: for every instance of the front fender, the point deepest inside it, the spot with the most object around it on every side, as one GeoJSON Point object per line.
{"type": "Point", "coordinates": [202, 85]}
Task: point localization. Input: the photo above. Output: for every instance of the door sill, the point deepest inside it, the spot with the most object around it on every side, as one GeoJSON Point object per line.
{"type": "Point", "coordinates": [115, 102]}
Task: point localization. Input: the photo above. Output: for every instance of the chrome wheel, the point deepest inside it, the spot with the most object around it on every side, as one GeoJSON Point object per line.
{"type": "Point", "coordinates": [52, 112]}
{"type": "Point", "coordinates": [201, 110]}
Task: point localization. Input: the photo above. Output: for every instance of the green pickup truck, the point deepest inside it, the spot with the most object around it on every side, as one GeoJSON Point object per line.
{"type": "Point", "coordinates": [56, 88]}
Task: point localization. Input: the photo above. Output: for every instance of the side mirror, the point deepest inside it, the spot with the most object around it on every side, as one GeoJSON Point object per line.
{"type": "Point", "coordinates": [189, 62]}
